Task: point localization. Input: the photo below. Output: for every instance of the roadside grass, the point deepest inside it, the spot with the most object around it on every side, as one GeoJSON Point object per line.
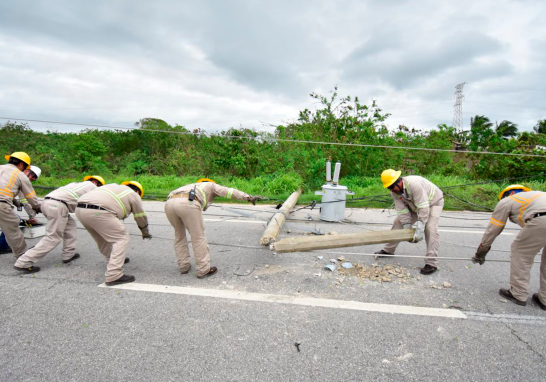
{"type": "Point", "coordinates": [277, 187]}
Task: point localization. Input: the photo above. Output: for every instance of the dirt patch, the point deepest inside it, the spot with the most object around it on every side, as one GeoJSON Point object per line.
{"type": "Point", "coordinates": [379, 273]}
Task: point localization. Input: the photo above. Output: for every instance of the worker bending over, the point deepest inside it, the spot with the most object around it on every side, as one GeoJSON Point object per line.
{"type": "Point", "coordinates": [416, 199]}
{"type": "Point", "coordinates": [184, 210]}
{"type": "Point", "coordinates": [527, 209]}
{"type": "Point", "coordinates": [32, 173]}
{"type": "Point", "coordinates": [101, 212]}
{"type": "Point", "coordinates": [56, 207]}
{"type": "Point", "coordinates": [13, 181]}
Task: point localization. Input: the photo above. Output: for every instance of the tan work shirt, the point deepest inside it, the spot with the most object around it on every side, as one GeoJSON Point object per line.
{"type": "Point", "coordinates": [12, 182]}
{"type": "Point", "coordinates": [118, 199]}
{"type": "Point", "coordinates": [519, 208]}
{"type": "Point", "coordinates": [419, 195]}
{"type": "Point", "coordinates": [205, 193]}
{"type": "Point", "coordinates": [71, 193]}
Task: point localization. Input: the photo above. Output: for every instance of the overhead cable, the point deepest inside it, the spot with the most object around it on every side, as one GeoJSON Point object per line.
{"type": "Point", "coordinates": [271, 139]}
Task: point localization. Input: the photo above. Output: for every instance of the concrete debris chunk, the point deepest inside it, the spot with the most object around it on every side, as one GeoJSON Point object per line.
{"type": "Point", "coordinates": [377, 272]}
{"type": "Point", "coordinates": [333, 261]}
{"type": "Point", "coordinates": [320, 257]}
{"type": "Point", "coordinates": [341, 258]}
{"type": "Point", "coordinates": [447, 285]}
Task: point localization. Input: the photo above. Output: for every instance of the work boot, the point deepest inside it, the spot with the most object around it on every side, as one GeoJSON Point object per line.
{"type": "Point", "coordinates": [507, 294]}
{"type": "Point", "coordinates": [5, 250]}
{"type": "Point", "coordinates": [27, 270]}
{"type": "Point", "coordinates": [383, 253]}
{"type": "Point", "coordinates": [76, 256]}
{"type": "Point", "coordinates": [428, 269]}
{"type": "Point", "coordinates": [186, 271]}
{"type": "Point", "coordinates": [122, 280]}
{"type": "Point", "coordinates": [538, 302]}
{"type": "Point", "coordinates": [211, 271]}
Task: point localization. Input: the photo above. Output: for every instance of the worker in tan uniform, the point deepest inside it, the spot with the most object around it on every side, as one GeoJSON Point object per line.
{"type": "Point", "coordinates": [32, 173]}
{"type": "Point", "coordinates": [416, 199]}
{"type": "Point", "coordinates": [56, 207]}
{"type": "Point", "coordinates": [184, 210]}
{"type": "Point", "coordinates": [13, 181]}
{"type": "Point", "coordinates": [101, 212]}
{"type": "Point", "coordinates": [527, 209]}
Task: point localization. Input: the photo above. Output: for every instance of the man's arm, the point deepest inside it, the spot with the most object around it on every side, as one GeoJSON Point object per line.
{"type": "Point", "coordinates": [497, 222]}
{"type": "Point", "coordinates": [137, 207]}
{"type": "Point", "coordinates": [402, 209]}
{"type": "Point", "coordinates": [230, 193]}
{"type": "Point", "coordinates": [420, 199]}
{"type": "Point", "coordinates": [28, 192]}
{"type": "Point", "coordinates": [28, 209]}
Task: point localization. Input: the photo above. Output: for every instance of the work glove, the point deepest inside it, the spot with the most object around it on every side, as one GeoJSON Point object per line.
{"type": "Point", "coordinates": [407, 226]}
{"type": "Point", "coordinates": [481, 252]}
{"type": "Point", "coordinates": [419, 232]}
{"type": "Point", "coordinates": [38, 209]}
{"type": "Point", "coordinates": [146, 235]}
{"type": "Point", "coordinates": [254, 198]}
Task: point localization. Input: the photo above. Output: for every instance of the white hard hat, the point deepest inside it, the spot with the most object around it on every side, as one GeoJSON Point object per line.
{"type": "Point", "coordinates": [37, 170]}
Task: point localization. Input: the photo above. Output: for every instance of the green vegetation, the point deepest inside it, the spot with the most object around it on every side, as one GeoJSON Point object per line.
{"type": "Point", "coordinates": [164, 157]}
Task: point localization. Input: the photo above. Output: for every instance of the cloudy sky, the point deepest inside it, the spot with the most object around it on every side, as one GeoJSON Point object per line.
{"type": "Point", "coordinates": [216, 64]}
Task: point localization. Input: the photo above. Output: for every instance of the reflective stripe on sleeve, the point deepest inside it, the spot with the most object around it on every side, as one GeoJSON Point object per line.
{"type": "Point", "coordinates": [402, 212]}
{"type": "Point", "coordinates": [139, 215]}
{"type": "Point", "coordinates": [496, 222]}
{"type": "Point", "coordinates": [230, 193]}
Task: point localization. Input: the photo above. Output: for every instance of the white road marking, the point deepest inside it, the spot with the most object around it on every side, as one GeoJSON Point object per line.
{"type": "Point", "coordinates": [237, 221]}
{"type": "Point", "coordinates": [284, 299]}
{"type": "Point", "coordinates": [478, 232]}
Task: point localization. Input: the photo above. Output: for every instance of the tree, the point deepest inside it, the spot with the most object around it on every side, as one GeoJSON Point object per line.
{"type": "Point", "coordinates": [481, 132]}
{"type": "Point", "coordinates": [540, 127]}
{"type": "Point", "coordinates": [506, 129]}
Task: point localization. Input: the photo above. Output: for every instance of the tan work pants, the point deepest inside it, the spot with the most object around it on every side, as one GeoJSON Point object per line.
{"type": "Point", "coordinates": [111, 238]}
{"type": "Point", "coordinates": [530, 240]}
{"type": "Point", "coordinates": [182, 215]}
{"type": "Point", "coordinates": [60, 227]}
{"type": "Point", "coordinates": [9, 224]}
{"type": "Point", "coordinates": [432, 237]}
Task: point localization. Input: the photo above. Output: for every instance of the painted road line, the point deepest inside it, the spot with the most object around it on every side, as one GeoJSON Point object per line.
{"type": "Point", "coordinates": [479, 232]}
{"type": "Point", "coordinates": [236, 221]}
{"type": "Point", "coordinates": [285, 299]}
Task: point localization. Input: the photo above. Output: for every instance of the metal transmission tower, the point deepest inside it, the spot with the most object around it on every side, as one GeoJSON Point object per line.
{"type": "Point", "coordinates": [458, 107]}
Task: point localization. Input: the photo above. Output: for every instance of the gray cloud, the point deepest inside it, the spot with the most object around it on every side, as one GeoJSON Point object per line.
{"type": "Point", "coordinates": [217, 64]}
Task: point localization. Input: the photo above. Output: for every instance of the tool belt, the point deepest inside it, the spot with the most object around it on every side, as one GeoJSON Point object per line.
{"type": "Point", "coordinates": [539, 215]}
{"type": "Point", "coordinates": [91, 206]}
{"type": "Point", "coordinates": [186, 196]}
{"type": "Point", "coordinates": [57, 200]}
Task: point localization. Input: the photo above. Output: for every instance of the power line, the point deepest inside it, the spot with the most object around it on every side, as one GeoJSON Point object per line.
{"type": "Point", "coordinates": [272, 139]}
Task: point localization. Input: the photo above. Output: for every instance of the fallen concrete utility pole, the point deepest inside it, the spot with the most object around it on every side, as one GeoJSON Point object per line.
{"type": "Point", "coordinates": [275, 224]}
{"type": "Point", "coordinates": [307, 243]}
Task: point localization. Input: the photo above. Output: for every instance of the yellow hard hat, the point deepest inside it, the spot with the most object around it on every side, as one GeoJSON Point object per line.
{"type": "Point", "coordinates": [136, 184]}
{"type": "Point", "coordinates": [96, 177]}
{"type": "Point", "coordinates": [513, 187]}
{"type": "Point", "coordinates": [21, 156]}
{"type": "Point", "coordinates": [388, 177]}
{"type": "Point", "coordinates": [205, 180]}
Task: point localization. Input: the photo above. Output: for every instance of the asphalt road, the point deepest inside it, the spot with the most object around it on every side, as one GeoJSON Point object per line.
{"type": "Point", "coordinates": [60, 325]}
